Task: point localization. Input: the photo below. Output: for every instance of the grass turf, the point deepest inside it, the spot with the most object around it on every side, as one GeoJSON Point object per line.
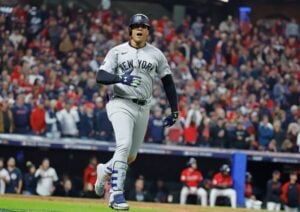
{"type": "Point", "coordinates": [14, 203]}
{"type": "Point", "coordinates": [35, 205]}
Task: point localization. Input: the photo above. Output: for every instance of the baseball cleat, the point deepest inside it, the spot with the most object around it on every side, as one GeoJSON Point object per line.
{"type": "Point", "coordinates": [118, 202]}
{"type": "Point", "coordinates": [102, 178]}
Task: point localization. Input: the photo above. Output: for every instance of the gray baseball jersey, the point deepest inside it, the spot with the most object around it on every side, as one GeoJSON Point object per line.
{"type": "Point", "coordinates": [147, 62]}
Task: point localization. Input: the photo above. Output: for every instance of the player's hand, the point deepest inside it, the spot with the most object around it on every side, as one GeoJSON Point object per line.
{"type": "Point", "coordinates": [171, 119]}
{"type": "Point", "coordinates": [131, 80]}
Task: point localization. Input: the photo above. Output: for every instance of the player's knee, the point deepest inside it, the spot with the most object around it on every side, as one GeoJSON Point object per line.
{"type": "Point", "coordinates": [131, 159]}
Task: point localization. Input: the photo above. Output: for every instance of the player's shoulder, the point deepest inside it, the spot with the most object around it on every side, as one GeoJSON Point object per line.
{"type": "Point", "coordinates": [153, 48]}
{"type": "Point", "coordinates": [120, 47]}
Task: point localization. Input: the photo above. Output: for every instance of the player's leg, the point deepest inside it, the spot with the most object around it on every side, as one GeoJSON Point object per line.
{"type": "Point", "coordinates": [248, 203]}
{"type": "Point", "coordinates": [202, 194]}
{"type": "Point", "coordinates": [139, 132]}
{"type": "Point", "coordinates": [257, 204]}
{"type": "Point", "coordinates": [277, 207]}
{"type": "Point", "coordinates": [214, 193]}
{"type": "Point", "coordinates": [271, 206]}
{"type": "Point", "coordinates": [123, 125]}
{"type": "Point", "coordinates": [183, 195]}
{"type": "Point", "coordinates": [231, 194]}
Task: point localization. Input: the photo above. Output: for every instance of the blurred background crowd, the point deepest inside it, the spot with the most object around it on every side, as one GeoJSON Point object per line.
{"type": "Point", "coordinates": [238, 85]}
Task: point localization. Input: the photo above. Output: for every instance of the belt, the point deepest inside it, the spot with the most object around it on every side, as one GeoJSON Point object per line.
{"type": "Point", "coordinates": [141, 102]}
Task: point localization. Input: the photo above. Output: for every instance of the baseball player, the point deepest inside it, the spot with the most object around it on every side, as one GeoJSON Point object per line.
{"type": "Point", "coordinates": [191, 177]}
{"type": "Point", "coordinates": [222, 186]}
{"type": "Point", "coordinates": [131, 69]}
{"type": "Point", "coordinates": [250, 199]}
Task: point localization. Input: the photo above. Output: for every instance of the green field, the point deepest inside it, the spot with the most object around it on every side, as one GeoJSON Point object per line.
{"type": "Point", "coordinates": [9, 203]}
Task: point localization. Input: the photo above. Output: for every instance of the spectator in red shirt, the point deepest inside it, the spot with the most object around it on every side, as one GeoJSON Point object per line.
{"type": "Point", "coordinates": [250, 199]}
{"type": "Point", "coordinates": [291, 194]}
{"type": "Point", "coordinates": [222, 186]}
{"type": "Point", "coordinates": [37, 118]}
{"type": "Point", "coordinates": [191, 177]}
{"type": "Point", "coordinates": [90, 177]}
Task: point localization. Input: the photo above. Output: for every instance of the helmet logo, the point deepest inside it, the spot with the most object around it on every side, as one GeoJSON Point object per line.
{"type": "Point", "coordinates": [139, 18]}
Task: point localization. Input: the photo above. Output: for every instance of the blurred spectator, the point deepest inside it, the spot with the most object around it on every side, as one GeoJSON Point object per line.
{"type": "Point", "coordinates": [90, 177]}
{"type": "Point", "coordinates": [204, 133]}
{"type": "Point", "coordinates": [52, 123]}
{"type": "Point", "coordinates": [278, 137]}
{"type": "Point", "coordinates": [86, 120]}
{"type": "Point", "coordinates": [21, 115]}
{"type": "Point", "coordinates": [291, 193]}
{"type": "Point", "coordinates": [6, 117]}
{"type": "Point", "coordinates": [292, 29]}
{"type": "Point", "coordinates": [265, 133]}
{"type": "Point", "coordinates": [173, 134]}
{"type": "Point", "coordinates": [228, 25]}
{"type": "Point", "coordinates": [37, 118]}
{"type": "Point", "coordinates": [250, 199]}
{"type": "Point", "coordinates": [160, 192]}
{"type": "Point", "coordinates": [69, 120]}
{"type": "Point", "coordinates": [4, 177]}
{"type": "Point", "coordinates": [66, 189]}
{"type": "Point", "coordinates": [222, 186]}
{"type": "Point", "coordinates": [155, 127]}
{"type": "Point", "coordinates": [29, 187]}
{"type": "Point", "coordinates": [16, 182]}
{"type": "Point", "coordinates": [197, 28]}
{"type": "Point", "coordinates": [103, 130]}
{"type": "Point", "coordinates": [219, 134]}
{"type": "Point", "coordinates": [274, 192]}
{"type": "Point", "coordinates": [241, 137]}
{"type": "Point", "coordinates": [46, 179]}
{"type": "Point", "coordinates": [139, 193]}
{"type": "Point", "coordinates": [191, 177]}
{"type": "Point", "coordinates": [290, 144]}
{"type": "Point", "coordinates": [192, 122]}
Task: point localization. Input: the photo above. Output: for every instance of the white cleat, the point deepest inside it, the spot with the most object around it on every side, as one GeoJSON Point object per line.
{"type": "Point", "coordinates": [118, 202]}
{"type": "Point", "coordinates": [102, 178]}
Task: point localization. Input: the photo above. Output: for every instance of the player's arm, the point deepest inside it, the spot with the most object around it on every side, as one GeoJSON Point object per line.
{"type": "Point", "coordinates": [171, 94]}
{"type": "Point", "coordinates": [106, 78]}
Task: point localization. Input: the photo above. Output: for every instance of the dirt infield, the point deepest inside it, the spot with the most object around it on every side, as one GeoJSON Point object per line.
{"type": "Point", "coordinates": [154, 206]}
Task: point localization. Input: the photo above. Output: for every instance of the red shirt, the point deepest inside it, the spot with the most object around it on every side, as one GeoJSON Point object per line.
{"type": "Point", "coordinates": [190, 134]}
{"type": "Point", "coordinates": [220, 179]}
{"type": "Point", "coordinates": [191, 177]}
{"type": "Point", "coordinates": [90, 175]}
{"type": "Point", "coordinates": [37, 120]}
{"type": "Point", "coordinates": [248, 190]}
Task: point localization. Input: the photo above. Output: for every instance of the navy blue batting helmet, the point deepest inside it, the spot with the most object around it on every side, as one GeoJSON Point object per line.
{"type": "Point", "coordinates": [139, 19]}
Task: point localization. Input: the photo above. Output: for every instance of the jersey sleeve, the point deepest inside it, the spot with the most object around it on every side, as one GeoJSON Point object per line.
{"type": "Point", "coordinates": [110, 62]}
{"type": "Point", "coordinates": [163, 68]}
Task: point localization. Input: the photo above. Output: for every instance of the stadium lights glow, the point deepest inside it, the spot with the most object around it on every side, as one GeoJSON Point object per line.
{"type": "Point", "coordinates": [225, 1]}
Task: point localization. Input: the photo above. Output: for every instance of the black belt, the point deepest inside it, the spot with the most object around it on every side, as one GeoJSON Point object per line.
{"type": "Point", "coordinates": [141, 102]}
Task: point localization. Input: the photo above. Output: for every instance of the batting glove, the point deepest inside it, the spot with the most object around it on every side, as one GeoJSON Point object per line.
{"type": "Point", "coordinates": [131, 80]}
{"type": "Point", "coordinates": [171, 119]}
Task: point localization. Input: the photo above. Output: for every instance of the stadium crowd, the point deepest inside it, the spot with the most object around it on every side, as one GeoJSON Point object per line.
{"type": "Point", "coordinates": [238, 84]}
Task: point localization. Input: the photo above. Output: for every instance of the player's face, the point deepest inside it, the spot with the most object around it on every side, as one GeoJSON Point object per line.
{"type": "Point", "coordinates": [139, 35]}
